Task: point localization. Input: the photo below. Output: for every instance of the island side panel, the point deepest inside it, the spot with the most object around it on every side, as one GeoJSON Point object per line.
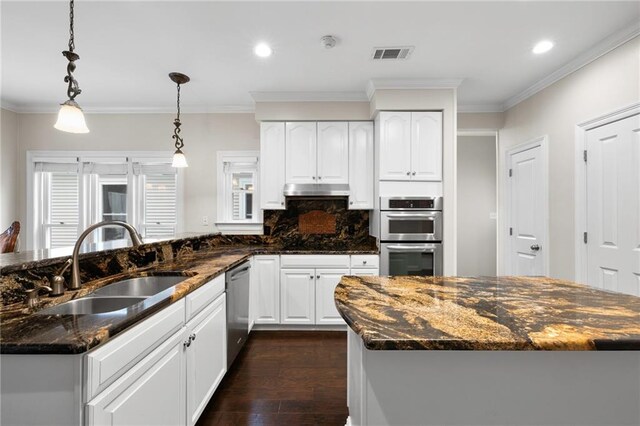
{"type": "Point", "coordinates": [492, 387]}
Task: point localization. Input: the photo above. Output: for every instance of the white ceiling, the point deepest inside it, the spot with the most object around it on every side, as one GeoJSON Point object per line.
{"type": "Point", "coordinates": [128, 48]}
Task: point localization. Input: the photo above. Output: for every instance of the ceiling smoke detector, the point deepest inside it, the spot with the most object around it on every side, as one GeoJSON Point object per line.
{"type": "Point", "coordinates": [328, 41]}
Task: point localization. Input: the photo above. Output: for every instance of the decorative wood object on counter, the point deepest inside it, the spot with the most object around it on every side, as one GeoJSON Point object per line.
{"type": "Point", "coordinates": [317, 222]}
{"type": "Point", "coordinates": [487, 313]}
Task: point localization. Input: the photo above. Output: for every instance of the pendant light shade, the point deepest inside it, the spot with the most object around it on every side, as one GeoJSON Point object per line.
{"type": "Point", "coordinates": [179, 160]}
{"type": "Point", "coordinates": [71, 118]}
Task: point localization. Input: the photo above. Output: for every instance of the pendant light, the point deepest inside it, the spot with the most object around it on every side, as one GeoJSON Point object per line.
{"type": "Point", "coordinates": [179, 160]}
{"type": "Point", "coordinates": [70, 116]}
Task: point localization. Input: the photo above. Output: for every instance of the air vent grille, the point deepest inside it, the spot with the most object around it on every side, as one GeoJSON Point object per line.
{"type": "Point", "coordinates": [395, 53]}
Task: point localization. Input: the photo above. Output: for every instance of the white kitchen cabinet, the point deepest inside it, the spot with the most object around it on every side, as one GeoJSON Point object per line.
{"type": "Point", "coordinates": [411, 146]}
{"type": "Point", "coordinates": [272, 158]}
{"type": "Point", "coordinates": [426, 146]}
{"type": "Point", "coordinates": [150, 393]}
{"type": "Point", "coordinates": [395, 145]}
{"type": "Point", "coordinates": [297, 296]}
{"type": "Point", "coordinates": [206, 356]}
{"type": "Point", "coordinates": [361, 165]}
{"type": "Point", "coordinates": [333, 152]}
{"type": "Point", "coordinates": [266, 291]}
{"type": "Point", "coordinates": [362, 272]}
{"type": "Point", "coordinates": [326, 282]}
{"type": "Point", "coordinates": [300, 152]}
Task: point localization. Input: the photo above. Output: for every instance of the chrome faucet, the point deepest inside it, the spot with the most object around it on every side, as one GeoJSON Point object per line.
{"type": "Point", "coordinates": [75, 271]}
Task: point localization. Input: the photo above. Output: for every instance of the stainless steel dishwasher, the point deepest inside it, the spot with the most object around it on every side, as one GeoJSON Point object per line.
{"type": "Point", "coordinates": [237, 287]}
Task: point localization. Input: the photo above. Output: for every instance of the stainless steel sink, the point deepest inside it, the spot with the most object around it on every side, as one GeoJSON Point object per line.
{"type": "Point", "coordinates": [91, 305]}
{"type": "Point", "coordinates": [140, 286]}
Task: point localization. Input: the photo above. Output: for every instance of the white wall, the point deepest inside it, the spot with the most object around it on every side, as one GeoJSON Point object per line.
{"type": "Point", "coordinates": [477, 192]}
{"type": "Point", "coordinates": [204, 135]}
{"type": "Point", "coordinates": [609, 83]}
{"type": "Point", "coordinates": [8, 169]}
{"type": "Point", "coordinates": [312, 111]}
{"type": "Point", "coordinates": [480, 120]}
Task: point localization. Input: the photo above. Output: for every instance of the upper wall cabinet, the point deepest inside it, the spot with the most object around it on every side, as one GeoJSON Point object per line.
{"type": "Point", "coordinates": [411, 146]}
{"type": "Point", "coordinates": [301, 151]}
{"type": "Point", "coordinates": [333, 152]}
{"type": "Point", "coordinates": [272, 157]}
{"type": "Point", "coordinates": [361, 165]}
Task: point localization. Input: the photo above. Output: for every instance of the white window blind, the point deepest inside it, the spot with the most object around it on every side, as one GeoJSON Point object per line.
{"type": "Point", "coordinates": [159, 209]}
{"type": "Point", "coordinates": [61, 213]}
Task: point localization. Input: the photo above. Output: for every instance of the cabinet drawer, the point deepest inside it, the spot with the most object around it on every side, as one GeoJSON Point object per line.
{"type": "Point", "coordinates": [314, 261]}
{"type": "Point", "coordinates": [105, 364]}
{"type": "Point", "coordinates": [206, 294]}
{"type": "Point", "coordinates": [365, 261]}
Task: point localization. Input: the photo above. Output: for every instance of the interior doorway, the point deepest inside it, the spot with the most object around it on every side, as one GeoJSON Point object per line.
{"type": "Point", "coordinates": [477, 227]}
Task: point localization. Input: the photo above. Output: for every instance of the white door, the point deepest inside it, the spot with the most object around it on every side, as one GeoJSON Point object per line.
{"type": "Point", "coordinates": [272, 173]}
{"type": "Point", "coordinates": [361, 165]}
{"type": "Point", "coordinates": [300, 152]}
{"type": "Point", "coordinates": [206, 356]}
{"type": "Point", "coordinates": [613, 206]}
{"type": "Point", "coordinates": [297, 296]}
{"type": "Point", "coordinates": [155, 398]}
{"type": "Point", "coordinates": [326, 282]}
{"type": "Point", "coordinates": [426, 146]}
{"type": "Point", "coordinates": [266, 269]}
{"type": "Point", "coordinates": [333, 152]}
{"type": "Point", "coordinates": [395, 145]}
{"type": "Point", "coordinates": [527, 201]}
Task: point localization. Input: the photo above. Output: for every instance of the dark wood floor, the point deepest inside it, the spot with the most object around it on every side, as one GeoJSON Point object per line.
{"type": "Point", "coordinates": [284, 378]}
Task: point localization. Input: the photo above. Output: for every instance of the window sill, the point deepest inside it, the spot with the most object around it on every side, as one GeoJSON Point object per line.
{"type": "Point", "coordinates": [240, 228]}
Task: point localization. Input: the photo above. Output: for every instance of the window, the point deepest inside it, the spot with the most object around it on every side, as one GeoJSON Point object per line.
{"type": "Point", "coordinates": [238, 210]}
{"type": "Point", "coordinates": [71, 193]}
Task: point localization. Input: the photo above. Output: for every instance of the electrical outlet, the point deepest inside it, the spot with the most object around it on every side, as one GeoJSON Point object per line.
{"type": "Point", "coordinates": [205, 220]}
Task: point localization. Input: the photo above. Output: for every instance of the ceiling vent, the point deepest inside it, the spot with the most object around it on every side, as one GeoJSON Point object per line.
{"type": "Point", "coordinates": [397, 53]}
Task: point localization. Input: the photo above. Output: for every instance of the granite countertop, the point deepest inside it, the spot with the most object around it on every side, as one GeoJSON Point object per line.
{"type": "Point", "coordinates": [487, 313]}
{"type": "Point", "coordinates": [24, 332]}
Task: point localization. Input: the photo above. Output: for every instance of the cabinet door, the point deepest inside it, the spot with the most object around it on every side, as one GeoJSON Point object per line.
{"type": "Point", "coordinates": [206, 356]}
{"type": "Point", "coordinates": [297, 296]}
{"type": "Point", "coordinates": [267, 289]}
{"type": "Point", "coordinates": [361, 272]}
{"type": "Point", "coordinates": [300, 148]}
{"type": "Point", "coordinates": [326, 282]}
{"type": "Point", "coordinates": [155, 397]}
{"type": "Point", "coordinates": [361, 165]}
{"type": "Point", "coordinates": [272, 159]}
{"type": "Point", "coordinates": [333, 152]}
{"type": "Point", "coordinates": [426, 146]}
{"type": "Point", "coordinates": [395, 145]}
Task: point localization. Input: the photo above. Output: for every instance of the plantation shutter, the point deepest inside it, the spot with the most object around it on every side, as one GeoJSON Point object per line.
{"type": "Point", "coordinates": [159, 188]}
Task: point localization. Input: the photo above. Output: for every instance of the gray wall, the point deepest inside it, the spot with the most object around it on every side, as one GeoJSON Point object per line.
{"type": "Point", "coordinates": [477, 242]}
{"type": "Point", "coordinates": [8, 168]}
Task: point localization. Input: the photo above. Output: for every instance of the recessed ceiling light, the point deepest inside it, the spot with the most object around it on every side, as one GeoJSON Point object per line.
{"type": "Point", "coordinates": [542, 47]}
{"type": "Point", "coordinates": [263, 50]}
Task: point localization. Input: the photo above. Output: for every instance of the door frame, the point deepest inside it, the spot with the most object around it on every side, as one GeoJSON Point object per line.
{"type": "Point", "coordinates": [580, 189]}
{"type": "Point", "coordinates": [543, 143]}
{"type": "Point", "coordinates": [495, 133]}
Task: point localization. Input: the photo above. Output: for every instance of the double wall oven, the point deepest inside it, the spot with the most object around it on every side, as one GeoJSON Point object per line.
{"type": "Point", "coordinates": [411, 236]}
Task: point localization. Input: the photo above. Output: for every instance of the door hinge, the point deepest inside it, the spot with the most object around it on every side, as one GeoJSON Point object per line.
{"type": "Point", "coordinates": [584, 238]}
{"type": "Point", "coordinates": [510, 231]}
{"type": "Point", "coordinates": [510, 172]}
{"type": "Point", "coordinates": [584, 155]}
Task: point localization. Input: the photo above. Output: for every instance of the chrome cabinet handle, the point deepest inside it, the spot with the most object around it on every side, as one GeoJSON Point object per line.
{"type": "Point", "coordinates": [364, 262]}
{"type": "Point", "coordinates": [318, 276]}
{"type": "Point", "coordinates": [187, 343]}
{"type": "Point", "coordinates": [192, 337]}
{"type": "Point", "coordinates": [319, 177]}
{"type": "Point", "coordinates": [282, 203]}
{"type": "Point", "coordinates": [535, 247]}
{"type": "Point", "coordinates": [314, 178]}
{"type": "Point", "coordinates": [310, 277]}
{"type": "Point", "coordinates": [413, 174]}
{"type": "Point", "coordinates": [408, 173]}
{"type": "Point", "coordinates": [350, 203]}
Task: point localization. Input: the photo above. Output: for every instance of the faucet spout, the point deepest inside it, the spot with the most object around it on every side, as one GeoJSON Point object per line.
{"type": "Point", "coordinates": [75, 271]}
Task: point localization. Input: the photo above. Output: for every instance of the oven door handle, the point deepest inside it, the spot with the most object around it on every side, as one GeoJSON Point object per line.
{"type": "Point", "coordinates": [412, 215]}
{"type": "Point", "coordinates": [427, 248]}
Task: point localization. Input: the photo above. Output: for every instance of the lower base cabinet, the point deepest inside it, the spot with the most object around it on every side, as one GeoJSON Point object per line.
{"type": "Point", "coordinates": [173, 384]}
{"type": "Point", "coordinates": [326, 282]}
{"type": "Point", "coordinates": [297, 296]}
{"type": "Point", "coordinates": [151, 393]}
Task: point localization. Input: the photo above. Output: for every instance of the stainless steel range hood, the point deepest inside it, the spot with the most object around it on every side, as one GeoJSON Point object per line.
{"type": "Point", "coordinates": [316, 190]}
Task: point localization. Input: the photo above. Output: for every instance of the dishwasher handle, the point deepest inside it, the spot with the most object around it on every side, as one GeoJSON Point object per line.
{"type": "Point", "coordinates": [238, 272]}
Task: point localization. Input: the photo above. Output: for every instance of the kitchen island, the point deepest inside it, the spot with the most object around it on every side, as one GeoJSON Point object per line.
{"type": "Point", "coordinates": [489, 351]}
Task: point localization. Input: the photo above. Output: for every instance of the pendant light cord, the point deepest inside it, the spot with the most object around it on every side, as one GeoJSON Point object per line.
{"type": "Point", "coordinates": [176, 132]}
{"type": "Point", "coordinates": [73, 89]}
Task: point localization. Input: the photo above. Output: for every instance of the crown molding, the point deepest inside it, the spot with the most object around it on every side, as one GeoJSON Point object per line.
{"type": "Point", "coordinates": [600, 49]}
{"type": "Point", "coordinates": [9, 106]}
{"type": "Point", "coordinates": [408, 84]}
{"type": "Point", "coordinates": [471, 108]}
{"type": "Point", "coordinates": [52, 109]}
{"type": "Point", "coordinates": [309, 96]}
